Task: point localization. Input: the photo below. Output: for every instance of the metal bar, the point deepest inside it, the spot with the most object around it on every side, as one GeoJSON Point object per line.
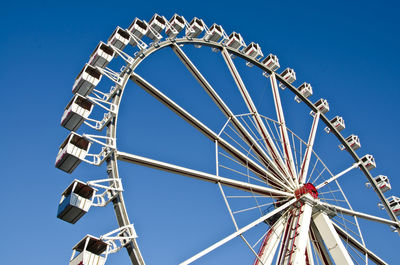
{"type": "Point", "coordinates": [359, 214]}
{"type": "Point", "coordinates": [226, 111]}
{"type": "Point", "coordinates": [268, 248]}
{"type": "Point", "coordinates": [257, 119]}
{"type": "Point", "coordinates": [308, 153]}
{"type": "Point", "coordinates": [331, 239]}
{"type": "Point", "coordinates": [319, 246]}
{"type": "Point", "coordinates": [297, 255]}
{"type": "Point", "coordinates": [359, 246]}
{"type": "Point", "coordinates": [237, 233]}
{"type": "Point", "coordinates": [252, 250]}
{"type": "Point", "coordinates": [325, 120]}
{"type": "Point", "coordinates": [283, 130]}
{"type": "Point", "coordinates": [323, 184]}
{"type": "Point", "coordinates": [245, 160]}
{"type": "Point", "coordinates": [200, 175]}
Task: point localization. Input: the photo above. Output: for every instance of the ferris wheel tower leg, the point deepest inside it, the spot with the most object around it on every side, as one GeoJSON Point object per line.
{"type": "Point", "coordinates": [331, 239]}
{"type": "Point", "coordinates": [271, 242]}
{"type": "Point", "coordinates": [299, 236]}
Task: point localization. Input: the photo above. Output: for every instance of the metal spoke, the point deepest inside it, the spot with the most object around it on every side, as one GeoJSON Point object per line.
{"type": "Point", "coordinates": [226, 110]}
{"type": "Point", "coordinates": [237, 233]}
{"type": "Point", "coordinates": [200, 175]}
{"type": "Point", "coordinates": [283, 130]}
{"type": "Point", "coordinates": [245, 160]}
{"type": "Point", "coordinates": [257, 118]}
{"type": "Point", "coordinates": [359, 214]}
{"type": "Point", "coordinates": [357, 245]}
{"type": "Point", "coordinates": [323, 184]}
{"type": "Point", "coordinates": [308, 152]}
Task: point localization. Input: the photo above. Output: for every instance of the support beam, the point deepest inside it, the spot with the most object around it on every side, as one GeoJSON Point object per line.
{"type": "Point", "coordinates": [245, 186]}
{"type": "Point", "coordinates": [331, 239]}
{"type": "Point", "coordinates": [242, 158]}
{"type": "Point", "coordinates": [309, 254]}
{"type": "Point", "coordinates": [326, 182]}
{"type": "Point", "coordinates": [269, 143]}
{"type": "Point", "coordinates": [271, 242]}
{"type": "Point", "coordinates": [357, 245]}
{"type": "Point", "coordinates": [307, 156]}
{"type": "Point", "coordinates": [359, 214]}
{"type": "Point", "coordinates": [283, 130]}
{"type": "Point", "coordinates": [319, 246]}
{"type": "Point", "coordinates": [299, 236]}
{"type": "Point", "coordinates": [237, 233]}
{"type": "Point", "coordinates": [247, 137]}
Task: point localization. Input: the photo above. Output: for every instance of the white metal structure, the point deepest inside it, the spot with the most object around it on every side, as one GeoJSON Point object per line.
{"type": "Point", "coordinates": [310, 220]}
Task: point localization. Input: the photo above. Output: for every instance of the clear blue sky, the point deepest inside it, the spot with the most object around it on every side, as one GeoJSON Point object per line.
{"type": "Point", "coordinates": [348, 51]}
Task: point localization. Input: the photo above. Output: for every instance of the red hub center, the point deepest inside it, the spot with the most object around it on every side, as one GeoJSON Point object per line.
{"type": "Point", "coordinates": [306, 188]}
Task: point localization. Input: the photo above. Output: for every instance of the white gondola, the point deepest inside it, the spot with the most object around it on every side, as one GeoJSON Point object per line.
{"type": "Point", "coordinates": [137, 28]}
{"type": "Point", "coordinates": [322, 105]}
{"type": "Point", "coordinates": [196, 27]}
{"type": "Point", "coordinates": [235, 41]}
{"type": "Point", "coordinates": [338, 123]}
{"type": "Point", "coordinates": [89, 251]}
{"type": "Point", "coordinates": [305, 90]}
{"type": "Point", "coordinates": [119, 38]}
{"type": "Point", "coordinates": [368, 161]}
{"type": "Point", "coordinates": [102, 55]}
{"type": "Point", "coordinates": [253, 50]}
{"type": "Point", "coordinates": [157, 23]}
{"type": "Point", "coordinates": [76, 112]}
{"type": "Point", "coordinates": [75, 201]}
{"type": "Point", "coordinates": [72, 151]}
{"type": "Point", "coordinates": [383, 183]}
{"type": "Point", "coordinates": [88, 78]}
{"type": "Point", "coordinates": [289, 75]}
{"type": "Point", "coordinates": [353, 141]}
{"type": "Point", "coordinates": [214, 33]}
{"type": "Point", "coordinates": [394, 204]}
{"type": "Point", "coordinates": [177, 23]}
{"type": "Point", "coordinates": [271, 62]}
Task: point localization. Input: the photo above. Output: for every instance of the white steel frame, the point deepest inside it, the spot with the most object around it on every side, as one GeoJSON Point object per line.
{"type": "Point", "coordinates": [306, 225]}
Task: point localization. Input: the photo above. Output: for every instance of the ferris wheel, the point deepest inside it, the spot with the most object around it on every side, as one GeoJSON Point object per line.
{"type": "Point", "coordinates": [285, 204]}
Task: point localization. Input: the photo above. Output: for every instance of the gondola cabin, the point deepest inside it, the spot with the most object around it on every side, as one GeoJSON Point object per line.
{"type": "Point", "coordinates": [176, 24]}
{"type": "Point", "coordinates": [305, 90]}
{"type": "Point", "coordinates": [353, 141]}
{"type": "Point", "coordinates": [76, 112]}
{"type": "Point", "coordinates": [89, 251]}
{"type": "Point", "coordinates": [75, 201]}
{"type": "Point", "coordinates": [289, 75]}
{"type": "Point", "coordinates": [196, 27]}
{"type": "Point", "coordinates": [102, 55]}
{"type": "Point", "coordinates": [157, 24]}
{"type": "Point", "coordinates": [119, 38]}
{"type": "Point", "coordinates": [322, 105]}
{"type": "Point", "coordinates": [271, 62]}
{"type": "Point", "coordinates": [368, 161]}
{"type": "Point", "coordinates": [88, 78]}
{"type": "Point", "coordinates": [235, 41]}
{"type": "Point", "coordinates": [383, 183]}
{"type": "Point", "coordinates": [253, 50]}
{"type": "Point", "coordinates": [394, 204]}
{"type": "Point", "coordinates": [72, 151]}
{"type": "Point", "coordinates": [338, 123]}
{"type": "Point", "coordinates": [138, 29]}
{"type": "Point", "coordinates": [214, 34]}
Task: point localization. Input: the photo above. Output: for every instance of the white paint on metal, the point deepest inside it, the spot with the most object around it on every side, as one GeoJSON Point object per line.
{"type": "Point", "coordinates": [331, 239]}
